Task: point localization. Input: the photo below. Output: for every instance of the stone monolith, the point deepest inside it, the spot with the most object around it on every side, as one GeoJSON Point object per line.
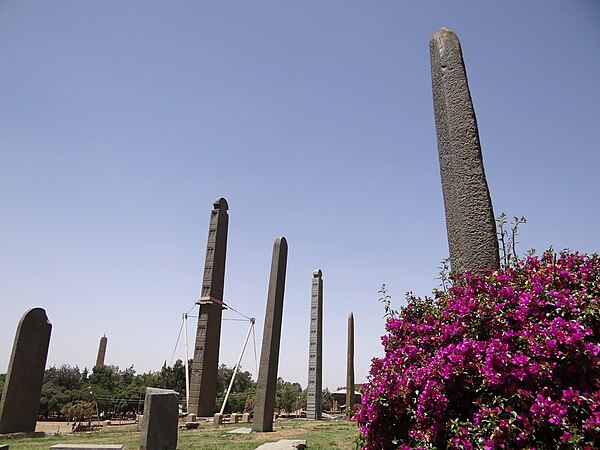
{"type": "Point", "coordinates": [101, 351]}
{"type": "Point", "coordinates": [161, 415]}
{"type": "Point", "coordinates": [350, 369]}
{"type": "Point", "coordinates": [470, 222]}
{"type": "Point", "coordinates": [315, 350]}
{"type": "Point", "coordinates": [264, 408]}
{"type": "Point", "coordinates": [23, 385]}
{"type": "Point", "coordinates": [203, 383]}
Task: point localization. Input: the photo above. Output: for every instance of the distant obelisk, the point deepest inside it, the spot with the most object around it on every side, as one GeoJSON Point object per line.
{"type": "Point", "coordinates": [470, 222]}
{"type": "Point", "coordinates": [266, 385]}
{"type": "Point", "coordinates": [101, 351]}
{"type": "Point", "coordinates": [203, 384]}
{"type": "Point", "coordinates": [350, 369]}
{"type": "Point", "coordinates": [314, 390]}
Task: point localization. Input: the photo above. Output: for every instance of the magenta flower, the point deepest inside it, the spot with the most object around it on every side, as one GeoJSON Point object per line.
{"type": "Point", "coordinates": [504, 359]}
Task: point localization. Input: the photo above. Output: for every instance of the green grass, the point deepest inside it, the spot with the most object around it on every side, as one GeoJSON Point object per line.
{"type": "Point", "coordinates": [319, 435]}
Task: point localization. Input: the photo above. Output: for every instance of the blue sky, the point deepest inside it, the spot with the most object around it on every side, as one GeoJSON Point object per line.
{"type": "Point", "coordinates": [121, 122]}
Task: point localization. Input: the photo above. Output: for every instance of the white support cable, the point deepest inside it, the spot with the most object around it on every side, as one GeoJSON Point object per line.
{"type": "Point", "coordinates": [255, 358]}
{"type": "Point", "coordinates": [237, 366]}
{"type": "Point", "coordinates": [252, 321]}
{"type": "Point", "coordinates": [176, 344]}
{"type": "Point", "coordinates": [187, 369]}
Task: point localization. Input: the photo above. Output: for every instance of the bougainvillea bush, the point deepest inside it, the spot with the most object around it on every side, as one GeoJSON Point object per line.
{"type": "Point", "coordinates": [504, 359]}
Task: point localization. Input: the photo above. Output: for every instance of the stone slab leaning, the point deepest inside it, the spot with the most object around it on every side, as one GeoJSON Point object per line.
{"type": "Point", "coordinates": [23, 386]}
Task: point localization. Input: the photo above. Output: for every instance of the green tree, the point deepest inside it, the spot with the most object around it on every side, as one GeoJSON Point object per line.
{"type": "Point", "coordinates": [104, 380]}
{"type": "Point", "coordinates": [79, 411]}
{"type": "Point", "coordinates": [172, 377]}
{"type": "Point", "coordinates": [288, 395]}
{"type": "Point", "coordinates": [243, 388]}
{"type": "Point", "coordinates": [61, 386]}
{"type": "Point", "coordinates": [327, 400]}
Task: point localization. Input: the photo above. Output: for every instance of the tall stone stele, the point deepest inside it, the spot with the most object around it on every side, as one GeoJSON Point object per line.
{"type": "Point", "coordinates": [23, 385]}
{"type": "Point", "coordinates": [203, 383]}
{"type": "Point", "coordinates": [266, 385]}
{"type": "Point", "coordinates": [350, 369]}
{"type": "Point", "coordinates": [101, 351]}
{"type": "Point", "coordinates": [314, 390]}
{"type": "Point", "coordinates": [470, 222]}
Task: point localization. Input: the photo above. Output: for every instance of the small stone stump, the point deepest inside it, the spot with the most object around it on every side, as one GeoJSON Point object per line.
{"type": "Point", "coordinates": [218, 419]}
{"type": "Point", "coordinates": [234, 418]}
{"type": "Point", "coordinates": [245, 418]}
{"type": "Point", "coordinates": [161, 416]}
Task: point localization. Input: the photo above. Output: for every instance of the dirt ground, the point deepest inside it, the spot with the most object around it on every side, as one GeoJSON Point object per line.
{"type": "Point", "coordinates": [66, 427]}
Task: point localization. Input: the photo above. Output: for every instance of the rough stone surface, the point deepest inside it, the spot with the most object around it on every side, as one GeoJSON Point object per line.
{"type": "Point", "coordinates": [86, 447]}
{"type": "Point", "coordinates": [470, 221]}
{"type": "Point", "coordinates": [245, 418]}
{"type": "Point", "coordinates": [101, 351]}
{"type": "Point", "coordinates": [203, 383]}
{"type": "Point", "coordinates": [266, 385]}
{"type": "Point", "coordinates": [161, 416]}
{"type": "Point", "coordinates": [315, 351]}
{"type": "Point", "coordinates": [241, 431]}
{"type": "Point", "coordinates": [284, 444]}
{"type": "Point", "coordinates": [350, 368]}
{"type": "Point", "coordinates": [23, 385]}
{"type": "Point", "coordinates": [218, 419]}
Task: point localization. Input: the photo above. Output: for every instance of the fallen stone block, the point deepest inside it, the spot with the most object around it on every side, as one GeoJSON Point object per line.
{"type": "Point", "coordinates": [241, 431]}
{"type": "Point", "coordinates": [284, 444]}
{"type": "Point", "coordinates": [86, 447]}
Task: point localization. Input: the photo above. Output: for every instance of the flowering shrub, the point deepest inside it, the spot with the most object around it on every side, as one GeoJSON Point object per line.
{"type": "Point", "coordinates": [503, 359]}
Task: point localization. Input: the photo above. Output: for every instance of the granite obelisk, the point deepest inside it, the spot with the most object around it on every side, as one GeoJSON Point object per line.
{"type": "Point", "coordinates": [266, 384]}
{"type": "Point", "coordinates": [25, 376]}
{"type": "Point", "coordinates": [203, 383]}
{"type": "Point", "coordinates": [470, 222]}
{"type": "Point", "coordinates": [315, 351]}
{"type": "Point", "coordinates": [350, 369]}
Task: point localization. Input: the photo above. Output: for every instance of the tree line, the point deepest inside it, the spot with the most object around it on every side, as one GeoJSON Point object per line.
{"type": "Point", "coordinates": [69, 393]}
